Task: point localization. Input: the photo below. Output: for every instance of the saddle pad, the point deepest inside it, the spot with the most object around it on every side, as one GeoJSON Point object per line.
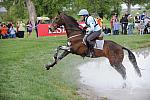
{"type": "Point", "coordinates": [99, 44]}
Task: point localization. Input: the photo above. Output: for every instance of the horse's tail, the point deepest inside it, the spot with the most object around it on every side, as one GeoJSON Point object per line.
{"type": "Point", "coordinates": [133, 61]}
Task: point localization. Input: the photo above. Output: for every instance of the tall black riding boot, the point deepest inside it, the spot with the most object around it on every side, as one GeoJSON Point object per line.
{"type": "Point", "coordinates": [91, 49]}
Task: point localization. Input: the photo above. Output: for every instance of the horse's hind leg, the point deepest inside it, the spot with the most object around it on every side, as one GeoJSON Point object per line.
{"type": "Point", "coordinates": [121, 69]}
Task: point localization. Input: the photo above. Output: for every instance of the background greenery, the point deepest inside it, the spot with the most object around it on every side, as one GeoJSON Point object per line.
{"type": "Point", "coordinates": [23, 77]}
{"type": "Point", "coordinates": [17, 9]}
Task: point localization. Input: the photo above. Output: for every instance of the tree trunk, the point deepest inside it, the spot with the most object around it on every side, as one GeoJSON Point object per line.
{"type": "Point", "coordinates": [129, 7]}
{"type": "Point", "coordinates": [31, 11]}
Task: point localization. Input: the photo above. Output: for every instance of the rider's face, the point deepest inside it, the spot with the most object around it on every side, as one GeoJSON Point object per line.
{"type": "Point", "coordinates": [82, 17]}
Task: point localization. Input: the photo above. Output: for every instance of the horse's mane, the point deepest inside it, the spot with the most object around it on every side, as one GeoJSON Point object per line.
{"type": "Point", "coordinates": [73, 20]}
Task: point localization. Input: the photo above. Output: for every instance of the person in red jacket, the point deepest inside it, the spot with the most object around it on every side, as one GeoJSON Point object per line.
{"type": "Point", "coordinates": [4, 31]}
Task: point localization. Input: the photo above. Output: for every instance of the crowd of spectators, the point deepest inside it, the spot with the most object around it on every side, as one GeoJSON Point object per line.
{"type": "Point", "coordinates": [128, 23]}
{"type": "Point", "coordinates": [11, 30]}
{"type": "Point", "coordinates": [124, 25]}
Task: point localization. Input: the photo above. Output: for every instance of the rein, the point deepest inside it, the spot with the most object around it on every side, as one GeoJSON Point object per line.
{"type": "Point", "coordinates": [73, 36]}
{"type": "Point", "coordinates": [72, 29]}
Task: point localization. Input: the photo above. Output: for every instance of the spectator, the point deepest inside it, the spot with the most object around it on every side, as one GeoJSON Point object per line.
{"type": "Point", "coordinates": [8, 26]}
{"type": "Point", "coordinates": [146, 20]}
{"type": "Point", "coordinates": [116, 26]}
{"type": "Point", "coordinates": [137, 20]}
{"type": "Point", "coordinates": [17, 26]}
{"type": "Point", "coordinates": [112, 22]}
{"type": "Point", "coordinates": [29, 28]}
{"type": "Point", "coordinates": [125, 24]}
{"type": "Point", "coordinates": [36, 27]}
{"type": "Point", "coordinates": [0, 30]}
{"type": "Point", "coordinates": [21, 29]}
{"type": "Point", "coordinates": [12, 32]}
{"type": "Point", "coordinates": [148, 27]}
{"type": "Point", "coordinates": [130, 24]}
{"type": "Point", "coordinates": [4, 31]}
{"type": "Point", "coordinates": [17, 29]}
{"type": "Point", "coordinates": [107, 31]}
{"type": "Point", "coordinates": [142, 17]}
{"type": "Point", "coordinates": [141, 27]}
{"type": "Point", "coordinates": [121, 22]}
{"type": "Point", "coordinates": [99, 21]}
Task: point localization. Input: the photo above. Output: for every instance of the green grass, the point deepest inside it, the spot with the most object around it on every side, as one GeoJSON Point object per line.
{"type": "Point", "coordinates": [131, 41]}
{"type": "Point", "coordinates": [23, 77]}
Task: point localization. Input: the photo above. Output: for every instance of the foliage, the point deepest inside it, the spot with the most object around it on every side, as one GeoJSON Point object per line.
{"type": "Point", "coordinates": [133, 2]}
{"type": "Point", "coordinates": [16, 10]}
{"type": "Point", "coordinates": [147, 6]}
{"type": "Point", "coordinates": [50, 7]}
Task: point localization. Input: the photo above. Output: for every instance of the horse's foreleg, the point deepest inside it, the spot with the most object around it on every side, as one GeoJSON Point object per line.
{"type": "Point", "coordinates": [65, 53]}
{"type": "Point", "coordinates": [58, 58]}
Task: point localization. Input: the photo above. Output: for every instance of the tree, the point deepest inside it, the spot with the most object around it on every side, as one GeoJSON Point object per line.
{"type": "Point", "coordinates": [147, 6]}
{"type": "Point", "coordinates": [133, 2]}
{"type": "Point", "coordinates": [16, 10]}
{"type": "Point", "coordinates": [31, 11]}
{"type": "Point", "coordinates": [98, 6]}
{"type": "Point", "coordinates": [49, 7]}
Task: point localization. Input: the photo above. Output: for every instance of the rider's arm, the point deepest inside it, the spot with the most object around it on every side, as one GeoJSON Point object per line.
{"type": "Point", "coordinates": [91, 25]}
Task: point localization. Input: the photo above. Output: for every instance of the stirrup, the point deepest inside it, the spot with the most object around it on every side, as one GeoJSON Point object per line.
{"type": "Point", "coordinates": [90, 54]}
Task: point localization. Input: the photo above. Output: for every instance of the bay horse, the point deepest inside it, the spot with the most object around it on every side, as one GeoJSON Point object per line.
{"type": "Point", "coordinates": [111, 50]}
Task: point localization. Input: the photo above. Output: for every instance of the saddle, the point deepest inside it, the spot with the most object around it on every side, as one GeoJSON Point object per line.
{"type": "Point", "coordinates": [90, 52]}
{"type": "Point", "coordinates": [99, 38]}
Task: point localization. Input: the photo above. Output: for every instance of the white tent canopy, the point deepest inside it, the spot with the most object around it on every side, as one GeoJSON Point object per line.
{"type": "Point", "coordinates": [3, 10]}
{"type": "Point", "coordinates": [43, 18]}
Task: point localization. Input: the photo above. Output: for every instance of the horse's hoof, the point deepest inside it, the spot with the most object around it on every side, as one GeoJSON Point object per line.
{"type": "Point", "coordinates": [55, 57]}
{"type": "Point", "coordinates": [124, 85]}
{"type": "Point", "coordinates": [47, 67]}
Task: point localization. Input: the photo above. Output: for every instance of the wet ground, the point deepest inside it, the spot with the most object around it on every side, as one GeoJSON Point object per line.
{"type": "Point", "coordinates": [99, 81]}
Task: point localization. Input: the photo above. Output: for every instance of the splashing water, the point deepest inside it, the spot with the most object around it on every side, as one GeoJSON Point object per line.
{"type": "Point", "coordinates": [107, 82]}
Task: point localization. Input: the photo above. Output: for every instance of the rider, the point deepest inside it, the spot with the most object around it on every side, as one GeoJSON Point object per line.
{"type": "Point", "coordinates": [94, 30]}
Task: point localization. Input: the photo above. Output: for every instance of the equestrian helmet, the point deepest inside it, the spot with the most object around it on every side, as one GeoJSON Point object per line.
{"type": "Point", "coordinates": [83, 12]}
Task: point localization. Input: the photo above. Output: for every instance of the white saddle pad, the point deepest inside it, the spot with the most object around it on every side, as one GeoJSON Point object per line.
{"type": "Point", "coordinates": [99, 44]}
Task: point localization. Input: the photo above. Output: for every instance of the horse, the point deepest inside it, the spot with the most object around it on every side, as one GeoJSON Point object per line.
{"type": "Point", "coordinates": [111, 50]}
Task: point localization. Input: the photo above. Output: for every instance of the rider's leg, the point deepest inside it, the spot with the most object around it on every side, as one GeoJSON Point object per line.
{"type": "Point", "coordinates": [91, 43]}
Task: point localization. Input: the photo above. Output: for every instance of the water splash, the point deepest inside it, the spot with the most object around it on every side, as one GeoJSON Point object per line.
{"type": "Point", "coordinates": [107, 81]}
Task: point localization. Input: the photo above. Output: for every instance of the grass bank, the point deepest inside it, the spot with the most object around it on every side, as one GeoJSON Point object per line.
{"type": "Point", "coordinates": [23, 77]}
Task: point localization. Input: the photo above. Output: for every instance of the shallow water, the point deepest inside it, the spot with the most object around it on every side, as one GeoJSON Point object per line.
{"type": "Point", "coordinates": [107, 82]}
